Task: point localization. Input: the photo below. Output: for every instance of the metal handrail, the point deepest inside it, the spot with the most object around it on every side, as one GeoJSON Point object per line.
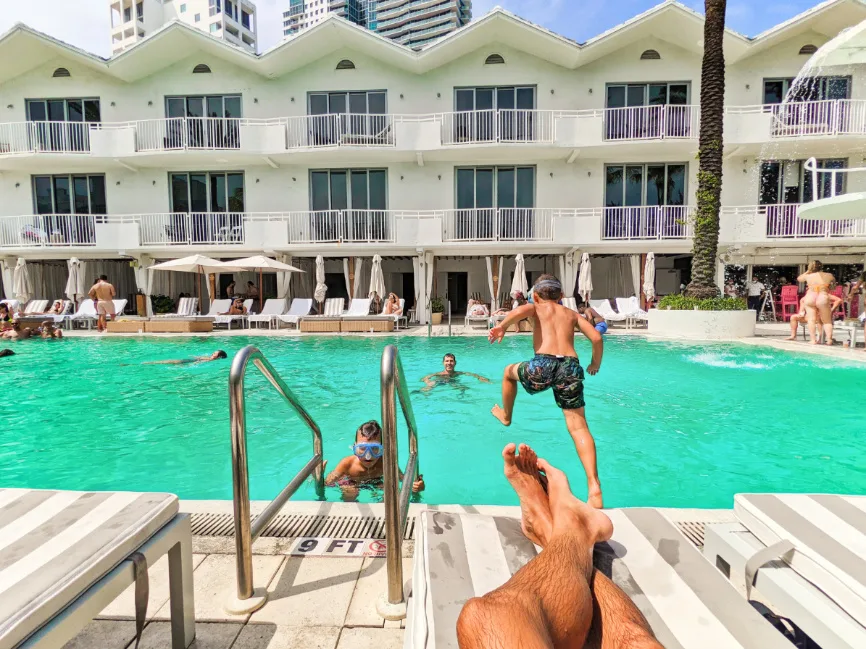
{"type": "Point", "coordinates": [245, 531]}
{"type": "Point", "coordinates": [393, 386]}
{"type": "Point", "coordinates": [449, 318]}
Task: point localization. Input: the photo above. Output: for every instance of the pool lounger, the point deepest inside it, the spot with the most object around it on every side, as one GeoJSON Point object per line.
{"type": "Point", "coordinates": [806, 555]}
{"type": "Point", "coordinates": [686, 601]}
{"type": "Point", "coordinates": [228, 319]}
{"type": "Point", "coordinates": [300, 307]}
{"type": "Point", "coordinates": [67, 554]}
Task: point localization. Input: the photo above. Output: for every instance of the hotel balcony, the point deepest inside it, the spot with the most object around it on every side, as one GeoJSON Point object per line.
{"type": "Point", "coordinates": [761, 224]}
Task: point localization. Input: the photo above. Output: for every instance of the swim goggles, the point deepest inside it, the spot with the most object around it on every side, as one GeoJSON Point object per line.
{"type": "Point", "coordinates": [363, 449]}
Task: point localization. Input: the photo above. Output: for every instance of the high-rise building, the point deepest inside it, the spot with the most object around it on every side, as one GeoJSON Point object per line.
{"type": "Point", "coordinates": [413, 23]}
{"type": "Point", "coordinates": [232, 20]}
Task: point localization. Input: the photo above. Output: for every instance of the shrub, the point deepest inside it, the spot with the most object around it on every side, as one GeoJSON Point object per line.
{"type": "Point", "coordinates": [683, 303]}
{"type": "Point", "coordinates": [162, 304]}
{"type": "Point", "coordinates": [437, 305]}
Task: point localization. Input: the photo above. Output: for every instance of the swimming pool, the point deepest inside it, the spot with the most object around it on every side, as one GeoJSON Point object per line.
{"type": "Point", "coordinates": [677, 425]}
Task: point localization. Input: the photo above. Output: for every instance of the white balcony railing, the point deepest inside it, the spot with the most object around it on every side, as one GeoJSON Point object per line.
{"type": "Point", "coordinates": [491, 126]}
{"type": "Point", "coordinates": [186, 229]}
{"type": "Point", "coordinates": [828, 117]}
{"type": "Point", "coordinates": [48, 230]}
{"type": "Point", "coordinates": [783, 222]}
{"type": "Point", "coordinates": [498, 224]}
{"type": "Point", "coordinates": [179, 133]}
{"type": "Point", "coordinates": [45, 137]}
{"type": "Point", "coordinates": [647, 222]}
{"type": "Point", "coordinates": [651, 122]}
{"type": "Point", "coordinates": [339, 226]}
{"type": "Point", "coordinates": [353, 129]}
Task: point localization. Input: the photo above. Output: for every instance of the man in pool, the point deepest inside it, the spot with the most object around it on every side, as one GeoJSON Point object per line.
{"type": "Point", "coordinates": [364, 466]}
{"type": "Point", "coordinates": [217, 355]}
{"type": "Point", "coordinates": [556, 366]}
{"type": "Point", "coordinates": [449, 362]}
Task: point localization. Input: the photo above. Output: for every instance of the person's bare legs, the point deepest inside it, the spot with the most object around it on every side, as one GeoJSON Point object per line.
{"type": "Point", "coordinates": [522, 473]}
{"type": "Point", "coordinates": [616, 622]}
{"type": "Point", "coordinates": [826, 316]}
{"type": "Point", "coordinates": [795, 322]}
{"type": "Point", "coordinates": [584, 443]}
{"type": "Point", "coordinates": [509, 394]}
{"type": "Point", "coordinates": [548, 602]}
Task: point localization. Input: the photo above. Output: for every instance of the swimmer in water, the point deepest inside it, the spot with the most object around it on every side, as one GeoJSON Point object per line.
{"type": "Point", "coordinates": [217, 355]}
{"type": "Point", "coordinates": [364, 466]}
{"type": "Point", "coordinates": [449, 362]}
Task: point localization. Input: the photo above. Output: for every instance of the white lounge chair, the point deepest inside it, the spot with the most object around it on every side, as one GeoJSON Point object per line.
{"type": "Point", "coordinates": [35, 307]}
{"type": "Point", "coordinates": [68, 554]}
{"type": "Point", "coordinates": [86, 313]}
{"type": "Point", "coordinates": [686, 602]}
{"type": "Point", "coordinates": [606, 311]}
{"type": "Point", "coordinates": [216, 307]}
{"type": "Point", "coordinates": [359, 306]}
{"type": "Point", "coordinates": [186, 308]}
{"type": "Point", "coordinates": [396, 317]}
{"type": "Point", "coordinates": [333, 308]}
{"type": "Point", "coordinates": [569, 303]}
{"type": "Point", "coordinates": [806, 555]}
{"type": "Point", "coordinates": [272, 309]}
{"type": "Point", "coordinates": [58, 318]}
{"type": "Point", "coordinates": [484, 318]}
{"type": "Point", "coordinates": [300, 308]}
{"type": "Point", "coordinates": [630, 307]}
{"type": "Point", "coordinates": [228, 319]}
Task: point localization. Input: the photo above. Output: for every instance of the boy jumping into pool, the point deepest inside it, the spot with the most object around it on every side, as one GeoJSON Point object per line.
{"type": "Point", "coordinates": [556, 366]}
{"type": "Point", "coordinates": [364, 466]}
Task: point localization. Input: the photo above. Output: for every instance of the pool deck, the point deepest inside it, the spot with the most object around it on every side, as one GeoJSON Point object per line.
{"type": "Point", "coordinates": [314, 603]}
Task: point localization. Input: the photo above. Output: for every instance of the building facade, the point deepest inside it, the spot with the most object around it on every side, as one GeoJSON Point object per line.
{"type": "Point", "coordinates": [505, 139]}
{"type": "Point", "coordinates": [232, 20]}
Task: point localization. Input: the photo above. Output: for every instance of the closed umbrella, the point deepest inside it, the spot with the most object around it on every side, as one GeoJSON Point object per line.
{"type": "Point", "coordinates": [261, 263]}
{"type": "Point", "coordinates": [584, 282]}
{"type": "Point", "coordinates": [22, 287]}
{"type": "Point", "coordinates": [198, 264]}
{"type": "Point", "coordinates": [8, 274]}
{"type": "Point", "coordinates": [518, 283]}
{"type": "Point", "coordinates": [321, 287]}
{"type": "Point", "coordinates": [377, 279]}
{"type": "Point", "coordinates": [649, 277]}
{"type": "Point", "coordinates": [74, 283]}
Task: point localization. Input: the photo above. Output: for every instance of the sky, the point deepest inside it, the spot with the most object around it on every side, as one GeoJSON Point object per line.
{"type": "Point", "coordinates": [85, 23]}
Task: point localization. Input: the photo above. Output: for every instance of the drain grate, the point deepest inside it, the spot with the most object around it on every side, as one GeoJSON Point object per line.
{"type": "Point", "coordinates": [295, 525]}
{"type": "Point", "coordinates": [693, 531]}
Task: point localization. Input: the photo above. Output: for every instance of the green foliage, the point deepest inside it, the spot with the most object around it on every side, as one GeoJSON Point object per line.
{"type": "Point", "coordinates": [685, 303]}
{"type": "Point", "coordinates": [437, 305]}
{"type": "Point", "coordinates": [162, 304]}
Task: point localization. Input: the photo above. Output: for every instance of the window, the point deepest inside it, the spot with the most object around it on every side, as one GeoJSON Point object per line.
{"type": "Point", "coordinates": [345, 64]}
{"type": "Point", "coordinates": [787, 182]}
{"type": "Point", "coordinates": [215, 203]}
{"type": "Point", "coordinates": [481, 125]}
{"type": "Point", "coordinates": [127, 14]}
{"type": "Point", "coordinates": [197, 18]}
{"type": "Point", "coordinates": [644, 121]}
{"type": "Point", "coordinates": [808, 49]}
{"type": "Point", "coordinates": [63, 123]}
{"type": "Point", "coordinates": [647, 94]}
{"type": "Point", "coordinates": [139, 10]}
{"type": "Point", "coordinates": [201, 68]}
{"type": "Point", "coordinates": [494, 202]}
{"type": "Point", "coordinates": [364, 115]}
{"type": "Point", "coordinates": [494, 59]}
{"type": "Point", "coordinates": [183, 8]}
{"type": "Point", "coordinates": [645, 201]}
{"type": "Point", "coordinates": [230, 9]}
{"type": "Point", "coordinates": [223, 133]}
{"type": "Point", "coordinates": [812, 89]}
{"type": "Point", "coordinates": [245, 20]}
{"type": "Point", "coordinates": [650, 55]}
{"type": "Point", "coordinates": [61, 73]}
{"type": "Point", "coordinates": [349, 205]}
{"type": "Point", "coordinates": [69, 194]}
{"type": "Point", "coordinates": [214, 7]}
{"type": "Point", "coordinates": [215, 27]}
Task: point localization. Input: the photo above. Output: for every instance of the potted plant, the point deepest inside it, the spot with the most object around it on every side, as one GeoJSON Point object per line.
{"type": "Point", "coordinates": [437, 307]}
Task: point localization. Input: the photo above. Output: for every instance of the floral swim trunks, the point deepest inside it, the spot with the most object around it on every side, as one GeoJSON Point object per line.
{"type": "Point", "coordinates": [562, 373]}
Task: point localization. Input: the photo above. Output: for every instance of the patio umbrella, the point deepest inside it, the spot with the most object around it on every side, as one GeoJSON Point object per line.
{"type": "Point", "coordinates": [75, 284]}
{"type": "Point", "coordinates": [518, 283]}
{"type": "Point", "coordinates": [321, 287]}
{"type": "Point", "coordinates": [584, 281]}
{"type": "Point", "coordinates": [260, 263]}
{"type": "Point", "coordinates": [22, 287]}
{"type": "Point", "coordinates": [198, 264]}
{"type": "Point", "coordinates": [649, 277]}
{"type": "Point", "coordinates": [377, 279]}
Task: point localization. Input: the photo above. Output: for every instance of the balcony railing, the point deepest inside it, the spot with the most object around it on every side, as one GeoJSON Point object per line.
{"type": "Point", "coordinates": [829, 117]}
{"type": "Point", "coordinates": [647, 222]}
{"type": "Point", "coordinates": [352, 129]}
{"type": "Point", "coordinates": [180, 133]}
{"type": "Point", "coordinates": [186, 229]}
{"type": "Point", "coordinates": [48, 230]}
{"type": "Point", "coordinates": [498, 224]}
{"type": "Point", "coordinates": [491, 126]}
{"type": "Point", "coordinates": [338, 226]}
{"type": "Point", "coordinates": [651, 122]}
{"type": "Point", "coordinates": [45, 137]}
{"type": "Point", "coordinates": [783, 222]}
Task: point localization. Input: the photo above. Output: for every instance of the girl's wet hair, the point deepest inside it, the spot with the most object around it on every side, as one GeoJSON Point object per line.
{"type": "Point", "coordinates": [369, 430]}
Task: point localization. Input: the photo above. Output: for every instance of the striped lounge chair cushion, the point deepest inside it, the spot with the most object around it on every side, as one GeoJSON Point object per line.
{"type": "Point", "coordinates": [829, 537]}
{"type": "Point", "coordinates": [55, 544]}
{"type": "Point", "coordinates": [686, 600]}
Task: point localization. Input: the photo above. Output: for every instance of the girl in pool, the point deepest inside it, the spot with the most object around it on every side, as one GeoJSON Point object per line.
{"type": "Point", "coordinates": [817, 301]}
{"type": "Point", "coordinates": [364, 467]}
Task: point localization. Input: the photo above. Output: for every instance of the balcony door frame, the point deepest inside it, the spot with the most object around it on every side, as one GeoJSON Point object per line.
{"type": "Point", "coordinates": [198, 226]}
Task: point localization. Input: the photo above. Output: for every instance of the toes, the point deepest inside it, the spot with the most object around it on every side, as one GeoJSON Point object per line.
{"type": "Point", "coordinates": [508, 454]}
{"type": "Point", "coordinates": [557, 480]}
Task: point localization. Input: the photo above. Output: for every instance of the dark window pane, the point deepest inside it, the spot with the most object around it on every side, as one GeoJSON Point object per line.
{"type": "Point", "coordinates": [505, 187]}
{"type": "Point", "coordinates": [837, 88]}
{"type": "Point", "coordinates": [232, 107]}
{"type": "Point", "coordinates": [339, 191]}
{"type": "Point", "coordinates": [97, 195]}
{"type": "Point", "coordinates": [378, 190]}
{"type": "Point", "coordinates": [636, 95]}
{"type": "Point", "coordinates": [360, 199]}
{"type": "Point", "coordinates": [613, 187]}
{"type": "Point", "coordinates": [179, 193]}
{"type": "Point", "coordinates": [75, 110]}
{"type": "Point", "coordinates": [633, 186]}
{"type": "Point", "coordinates": [505, 98]}
{"type": "Point", "coordinates": [526, 98]}
{"type": "Point", "coordinates": [62, 197]}
{"type": "Point", "coordinates": [769, 190]}
{"type": "Point", "coordinates": [195, 106]}
{"type": "Point", "coordinates": [678, 94]}
{"type": "Point", "coordinates": [36, 111]}
{"type": "Point", "coordinates": [235, 184]}
{"type": "Point", "coordinates": [464, 99]}
{"type": "Point", "coordinates": [81, 192]}
{"type": "Point", "coordinates": [319, 193]}
{"type": "Point", "coordinates": [615, 96]}
{"type": "Point", "coordinates": [483, 98]}
{"type": "Point", "coordinates": [465, 189]}
{"type": "Point", "coordinates": [774, 92]}
{"type": "Point", "coordinates": [484, 188]}
{"type": "Point", "coordinates": [525, 187]}
{"type": "Point", "coordinates": [337, 103]}
{"type": "Point", "coordinates": [358, 103]}
{"type": "Point", "coordinates": [676, 191]}
{"type": "Point", "coordinates": [42, 189]}
{"type": "Point", "coordinates": [198, 192]}
{"type": "Point", "coordinates": [377, 101]}
{"type": "Point", "coordinates": [56, 110]}
{"type": "Point", "coordinates": [218, 202]}
{"type": "Point", "coordinates": [658, 94]}
{"type": "Point", "coordinates": [175, 107]}
{"type": "Point", "coordinates": [91, 111]}
{"type": "Point", "coordinates": [655, 185]}
{"type": "Point", "coordinates": [319, 104]}
{"type": "Point", "coordinates": [215, 107]}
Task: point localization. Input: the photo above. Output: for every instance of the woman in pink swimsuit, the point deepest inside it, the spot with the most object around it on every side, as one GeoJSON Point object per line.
{"type": "Point", "coordinates": [817, 301]}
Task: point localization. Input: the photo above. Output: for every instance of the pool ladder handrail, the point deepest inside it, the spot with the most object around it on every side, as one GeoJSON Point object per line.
{"type": "Point", "coordinates": [393, 386]}
{"type": "Point", "coordinates": [247, 531]}
{"type": "Point", "coordinates": [430, 319]}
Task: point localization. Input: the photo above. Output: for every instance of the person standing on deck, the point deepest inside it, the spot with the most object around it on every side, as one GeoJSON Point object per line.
{"type": "Point", "coordinates": [103, 294]}
{"type": "Point", "coordinates": [754, 289]}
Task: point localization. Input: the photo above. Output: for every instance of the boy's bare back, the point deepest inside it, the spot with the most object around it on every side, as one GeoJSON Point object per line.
{"type": "Point", "coordinates": [553, 332]}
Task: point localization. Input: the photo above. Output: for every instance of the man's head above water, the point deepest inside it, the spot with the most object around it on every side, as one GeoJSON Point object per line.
{"type": "Point", "coordinates": [449, 361]}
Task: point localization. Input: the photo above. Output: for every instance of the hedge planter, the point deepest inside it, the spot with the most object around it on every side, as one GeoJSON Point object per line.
{"type": "Point", "coordinates": [701, 325]}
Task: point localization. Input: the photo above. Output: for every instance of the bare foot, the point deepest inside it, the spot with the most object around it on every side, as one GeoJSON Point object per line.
{"type": "Point", "coordinates": [522, 472]}
{"type": "Point", "coordinates": [570, 515]}
{"type": "Point", "coordinates": [593, 498]}
{"type": "Point", "coordinates": [499, 413]}
{"type": "Point", "coordinates": [830, 343]}
{"type": "Point", "coordinates": [794, 337]}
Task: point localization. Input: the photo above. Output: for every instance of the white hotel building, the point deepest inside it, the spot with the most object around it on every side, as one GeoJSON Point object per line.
{"type": "Point", "coordinates": [501, 138]}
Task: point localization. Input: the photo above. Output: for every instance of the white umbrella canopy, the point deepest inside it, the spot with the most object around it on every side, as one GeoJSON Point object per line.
{"type": "Point", "coordinates": [518, 283]}
{"type": "Point", "coordinates": [377, 279]}
{"type": "Point", "coordinates": [22, 287]}
{"type": "Point", "coordinates": [321, 287]}
{"type": "Point", "coordinates": [259, 262]}
{"type": "Point", "coordinates": [649, 276]}
{"type": "Point", "coordinates": [196, 264]}
{"type": "Point", "coordinates": [74, 285]}
{"type": "Point", "coordinates": [584, 281]}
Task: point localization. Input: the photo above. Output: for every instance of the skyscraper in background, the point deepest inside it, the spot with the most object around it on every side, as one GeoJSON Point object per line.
{"type": "Point", "coordinates": [413, 23]}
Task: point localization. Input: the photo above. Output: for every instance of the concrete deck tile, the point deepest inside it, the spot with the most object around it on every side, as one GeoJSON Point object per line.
{"type": "Point", "coordinates": [123, 607]}
{"type": "Point", "coordinates": [215, 580]}
{"type": "Point", "coordinates": [372, 584]}
{"type": "Point", "coordinates": [105, 634]}
{"type": "Point", "coordinates": [366, 638]}
{"type": "Point", "coordinates": [310, 592]}
{"type": "Point", "coordinates": [208, 635]}
{"type": "Point", "coordinates": [271, 636]}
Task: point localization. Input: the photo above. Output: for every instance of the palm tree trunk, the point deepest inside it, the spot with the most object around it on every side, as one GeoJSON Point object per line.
{"type": "Point", "coordinates": [710, 144]}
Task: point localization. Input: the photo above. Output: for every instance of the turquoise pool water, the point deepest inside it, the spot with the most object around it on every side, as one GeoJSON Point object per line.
{"type": "Point", "coordinates": [676, 425]}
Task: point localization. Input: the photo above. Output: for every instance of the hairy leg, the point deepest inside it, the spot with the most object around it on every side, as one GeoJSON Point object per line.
{"type": "Point", "coordinates": [509, 394]}
{"type": "Point", "coordinates": [616, 622]}
{"type": "Point", "coordinates": [584, 443]}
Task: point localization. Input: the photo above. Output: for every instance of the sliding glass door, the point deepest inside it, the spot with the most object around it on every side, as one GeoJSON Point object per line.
{"type": "Point", "coordinates": [349, 205]}
{"type": "Point", "coordinates": [207, 207]}
{"type": "Point", "coordinates": [62, 125]}
{"type": "Point", "coordinates": [645, 201]}
{"type": "Point", "coordinates": [501, 113]}
{"type": "Point", "coordinates": [494, 203]}
{"type": "Point", "coordinates": [648, 110]}
{"type": "Point", "coordinates": [213, 122]}
{"type": "Point", "coordinates": [359, 117]}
